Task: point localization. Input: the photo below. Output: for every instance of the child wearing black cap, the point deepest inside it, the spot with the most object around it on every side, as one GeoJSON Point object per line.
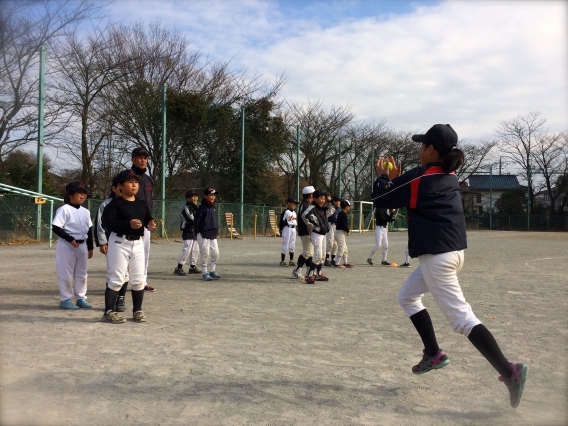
{"type": "Point", "coordinates": [315, 219]}
{"type": "Point", "coordinates": [126, 218]}
{"type": "Point", "coordinates": [332, 205]}
{"type": "Point", "coordinates": [190, 246]}
{"type": "Point", "coordinates": [437, 237]}
{"type": "Point", "coordinates": [206, 228]}
{"type": "Point", "coordinates": [72, 224]}
{"type": "Point", "coordinates": [101, 240]}
{"type": "Point", "coordinates": [304, 233]}
{"type": "Point", "coordinates": [341, 233]}
{"type": "Point", "coordinates": [288, 232]}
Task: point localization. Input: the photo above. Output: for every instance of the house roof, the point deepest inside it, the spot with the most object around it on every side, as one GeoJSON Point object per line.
{"type": "Point", "coordinates": [499, 182]}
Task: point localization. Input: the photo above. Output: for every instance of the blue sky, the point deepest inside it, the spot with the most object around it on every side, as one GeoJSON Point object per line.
{"type": "Point", "coordinates": [468, 63]}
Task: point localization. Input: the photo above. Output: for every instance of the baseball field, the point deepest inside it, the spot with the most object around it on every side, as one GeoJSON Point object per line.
{"type": "Point", "coordinates": [257, 347]}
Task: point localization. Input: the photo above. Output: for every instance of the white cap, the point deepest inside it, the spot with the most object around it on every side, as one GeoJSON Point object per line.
{"type": "Point", "coordinates": [308, 190]}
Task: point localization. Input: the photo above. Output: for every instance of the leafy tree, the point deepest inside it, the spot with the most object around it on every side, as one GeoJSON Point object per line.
{"type": "Point", "coordinates": [19, 169]}
{"type": "Point", "coordinates": [512, 202]}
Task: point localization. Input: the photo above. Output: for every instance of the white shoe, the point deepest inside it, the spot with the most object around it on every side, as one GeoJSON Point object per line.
{"type": "Point", "coordinates": [297, 273]}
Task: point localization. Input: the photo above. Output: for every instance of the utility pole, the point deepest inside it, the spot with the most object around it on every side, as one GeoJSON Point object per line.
{"type": "Point", "coordinates": [163, 171]}
{"type": "Point", "coordinates": [40, 136]}
{"type": "Point", "coordinates": [242, 165]}
{"type": "Point", "coordinates": [298, 162]}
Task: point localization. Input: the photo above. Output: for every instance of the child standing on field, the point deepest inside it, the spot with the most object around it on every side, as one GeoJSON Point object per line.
{"type": "Point", "coordinates": [126, 218]}
{"type": "Point", "coordinates": [437, 237]}
{"type": "Point", "coordinates": [288, 232]}
{"type": "Point", "coordinates": [332, 205]}
{"type": "Point", "coordinates": [207, 227]}
{"type": "Point", "coordinates": [341, 234]}
{"type": "Point", "coordinates": [101, 241]}
{"type": "Point", "coordinates": [304, 233]}
{"type": "Point", "coordinates": [315, 219]}
{"type": "Point", "coordinates": [72, 224]}
{"type": "Point", "coordinates": [190, 246]}
{"type": "Point", "coordinates": [382, 219]}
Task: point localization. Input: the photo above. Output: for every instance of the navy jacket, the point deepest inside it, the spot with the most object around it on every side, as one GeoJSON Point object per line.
{"type": "Point", "coordinates": [315, 218]}
{"type": "Point", "coordinates": [145, 188]}
{"type": "Point", "coordinates": [206, 222]}
{"type": "Point", "coordinates": [342, 222]}
{"type": "Point", "coordinates": [436, 222]}
{"type": "Point", "coordinates": [188, 221]}
{"type": "Point", "coordinates": [383, 217]}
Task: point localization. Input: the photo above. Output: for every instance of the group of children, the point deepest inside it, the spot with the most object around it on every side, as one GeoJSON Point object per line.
{"type": "Point", "coordinates": [436, 236]}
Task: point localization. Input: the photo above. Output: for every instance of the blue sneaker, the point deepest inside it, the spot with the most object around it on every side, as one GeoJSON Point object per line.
{"type": "Point", "coordinates": [215, 275]}
{"type": "Point", "coordinates": [82, 303]}
{"type": "Point", "coordinates": [516, 382]}
{"type": "Point", "coordinates": [67, 304]}
{"type": "Point", "coordinates": [207, 277]}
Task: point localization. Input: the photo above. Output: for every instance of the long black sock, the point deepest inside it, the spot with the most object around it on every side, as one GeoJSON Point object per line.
{"type": "Point", "coordinates": [332, 257]}
{"type": "Point", "coordinates": [291, 256]}
{"type": "Point", "coordinates": [137, 298]}
{"type": "Point", "coordinates": [318, 268]}
{"type": "Point", "coordinates": [110, 299]}
{"type": "Point", "coordinates": [327, 257]}
{"type": "Point", "coordinates": [485, 343]}
{"type": "Point", "coordinates": [282, 257]}
{"type": "Point", "coordinates": [309, 261]}
{"type": "Point", "coordinates": [180, 266]}
{"type": "Point", "coordinates": [122, 290]}
{"type": "Point", "coordinates": [301, 261]}
{"type": "Point", "coordinates": [423, 324]}
{"type": "Point", "coordinates": [312, 270]}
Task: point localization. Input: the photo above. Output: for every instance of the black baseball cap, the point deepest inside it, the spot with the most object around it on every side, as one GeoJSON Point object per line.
{"type": "Point", "coordinates": [441, 136]}
{"type": "Point", "coordinates": [126, 174]}
{"type": "Point", "coordinates": [76, 187]}
{"type": "Point", "coordinates": [190, 194]}
{"type": "Point", "coordinates": [344, 203]}
{"type": "Point", "coordinates": [319, 193]}
{"type": "Point", "coordinates": [335, 198]}
{"type": "Point", "coordinates": [291, 200]}
{"type": "Point", "coordinates": [210, 190]}
{"type": "Point", "coordinates": [139, 151]}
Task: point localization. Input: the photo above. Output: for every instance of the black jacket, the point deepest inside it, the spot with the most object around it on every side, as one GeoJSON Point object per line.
{"type": "Point", "coordinates": [315, 218]}
{"type": "Point", "coordinates": [205, 221]}
{"type": "Point", "coordinates": [342, 222]}
{"type": "Point", "coordinates": [383, 217]}
{"type": "Point", "coordinates": [302, 228]}
{"type": "Point", "coordinates": [188, 221]}
{"type": "Point", "coordinates": [145, 188]}
{"type": "Point", "coordinates": [436, 222]}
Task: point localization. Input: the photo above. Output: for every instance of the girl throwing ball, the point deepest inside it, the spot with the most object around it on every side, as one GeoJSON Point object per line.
{"type": "Point", "coordinates": [436, 236]}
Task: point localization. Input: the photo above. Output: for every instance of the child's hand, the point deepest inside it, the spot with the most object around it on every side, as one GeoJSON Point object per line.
{"type": "Point", "coordinates": [90, 254]}
{"type": "Point", "coordinates": [151, 225]}
{"type": "Point", "coordinates": [74, 243]}
{"type": "Point", "coordinates": [104, 249]}
{"type": "Point", "coordinates": [135, 224]}
{"type": "Point", "coordinates": [382, 168]}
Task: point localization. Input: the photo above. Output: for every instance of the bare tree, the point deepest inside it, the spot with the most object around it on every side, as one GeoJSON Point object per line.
{"type": "Point", "coordinates": [517, 138]}
{"type": "Point", "coordinates": [25, 26]}
{"type": "Point", "coordinates": [477, 158]}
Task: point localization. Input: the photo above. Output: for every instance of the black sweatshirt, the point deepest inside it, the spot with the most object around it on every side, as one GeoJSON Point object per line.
{"type": "Point", "coordinates": [342, 222]}
{"type": "Point", "coordinates": [145, 188]}
{"type": "Point", "coordinates": [436, 222]}
{"type": "Point", "coordinates": [187, 221]}
{"type": "Point", "coordinates": [119, 213]}
{"type": "Point", "coordinates": [383, 217]}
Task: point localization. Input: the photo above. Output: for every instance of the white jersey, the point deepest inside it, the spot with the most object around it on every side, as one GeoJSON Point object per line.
{"type": "Point", "coordinates": [76, 222]}
{"type": "Point", "coordinates": [290, 218]}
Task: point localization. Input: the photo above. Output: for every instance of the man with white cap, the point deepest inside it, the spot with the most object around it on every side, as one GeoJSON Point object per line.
{"type": "Point", "coordinates": [304, 233]}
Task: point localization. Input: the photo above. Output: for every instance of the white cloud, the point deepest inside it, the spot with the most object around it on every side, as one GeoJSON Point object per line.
{"type": "Point", "coordinates": [471, 64]}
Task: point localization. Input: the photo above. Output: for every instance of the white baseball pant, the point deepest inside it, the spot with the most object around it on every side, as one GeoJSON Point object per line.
{"type": "Point", "coordinates": [438, 274]}
{"type": "Point", "coordinates": [146, 254]}
{"type": "Point", "coordinates": [381, 239]}
{"type": "Point", "coordinates": [318, 240]}
{"type": "Point", "coordinates": [190, 248]}
{"type": "Point", "coordinates": [340, 237]}
{"type": "Point", "coordinates": [288, 240]}
{"type": "Point", "coordinates": [209, 252]}
{"type": "Point", "coordinates": [125, 262]}
{"type": "Point", "coordinates": [307, 246]}
{"type": "Point", "coordinates": [71, 265]}
{"type": "Point", "coordinates": [330, 242]}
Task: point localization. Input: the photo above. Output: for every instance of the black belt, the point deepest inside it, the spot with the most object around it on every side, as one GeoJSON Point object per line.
{"type": "Point", "coordinates": [291, 226]}
{"type": "Point", "coordinates": [79, 241]}
{"type": "Point", "coordinates": [129, 237]}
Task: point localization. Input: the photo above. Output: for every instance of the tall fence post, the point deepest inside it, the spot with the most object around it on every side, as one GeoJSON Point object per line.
{"type": "Point", "coordinates": [242, 166]}
{"type": "Point", "coordinates": [40, 136]}
{"type": "Point", "coordinates": [491, 197]}
{"type": "Point", "coordinates": [339, 172]}
{"type": "Point", "coordinates": [297, 162]}
{"type": "Point", "coordinates": [163, 171]}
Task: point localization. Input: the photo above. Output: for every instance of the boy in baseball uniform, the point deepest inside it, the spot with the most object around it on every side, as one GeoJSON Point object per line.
{"type": "Point", "coordinates": [304, 233]}
{"type": "Point", "coordinates": [72, 224]}
{"type": "Point", "coordinates": [288, 232]}
{"type": "Point", "coordinates": [190, 247]}
{"type": "Point", "coordinates": [126, 218]}
{"type": "Point", "coordinates": [206, 228]}
{"type": "Point", "coordinates": [341, 234]}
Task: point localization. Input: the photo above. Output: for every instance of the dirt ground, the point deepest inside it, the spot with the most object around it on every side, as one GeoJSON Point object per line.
{"type": "Point", "coordinates": [258, 347]}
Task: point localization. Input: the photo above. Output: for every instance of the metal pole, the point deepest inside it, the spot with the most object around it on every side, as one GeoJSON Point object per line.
{"type": "Point", "coordinates": [372, 167]}
{"type": "Point", "coordinates": [50, 221]}
{"type": "Point", "coordinates": [298, 162]}
{"type": "Point", "coordinates": [163, 173]}
{"type": "Point", "coordinates": [40, 136]}
{"type": "Point", "coordinates": [490, 197]}
{"type": "Point", "coordinates": [529, 198]}
{"type": "Point", "coordinates": [242, 165]}
{"type": "Point", "coordinates": [339, 172]}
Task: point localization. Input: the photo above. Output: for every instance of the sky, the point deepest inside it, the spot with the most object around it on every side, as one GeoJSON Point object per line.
{"type": "Point", "coordinates": [471, 64]}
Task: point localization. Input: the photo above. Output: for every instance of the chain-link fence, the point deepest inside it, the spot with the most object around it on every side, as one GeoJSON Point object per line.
{"type": "Point", "coordinates": [18, 218]}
